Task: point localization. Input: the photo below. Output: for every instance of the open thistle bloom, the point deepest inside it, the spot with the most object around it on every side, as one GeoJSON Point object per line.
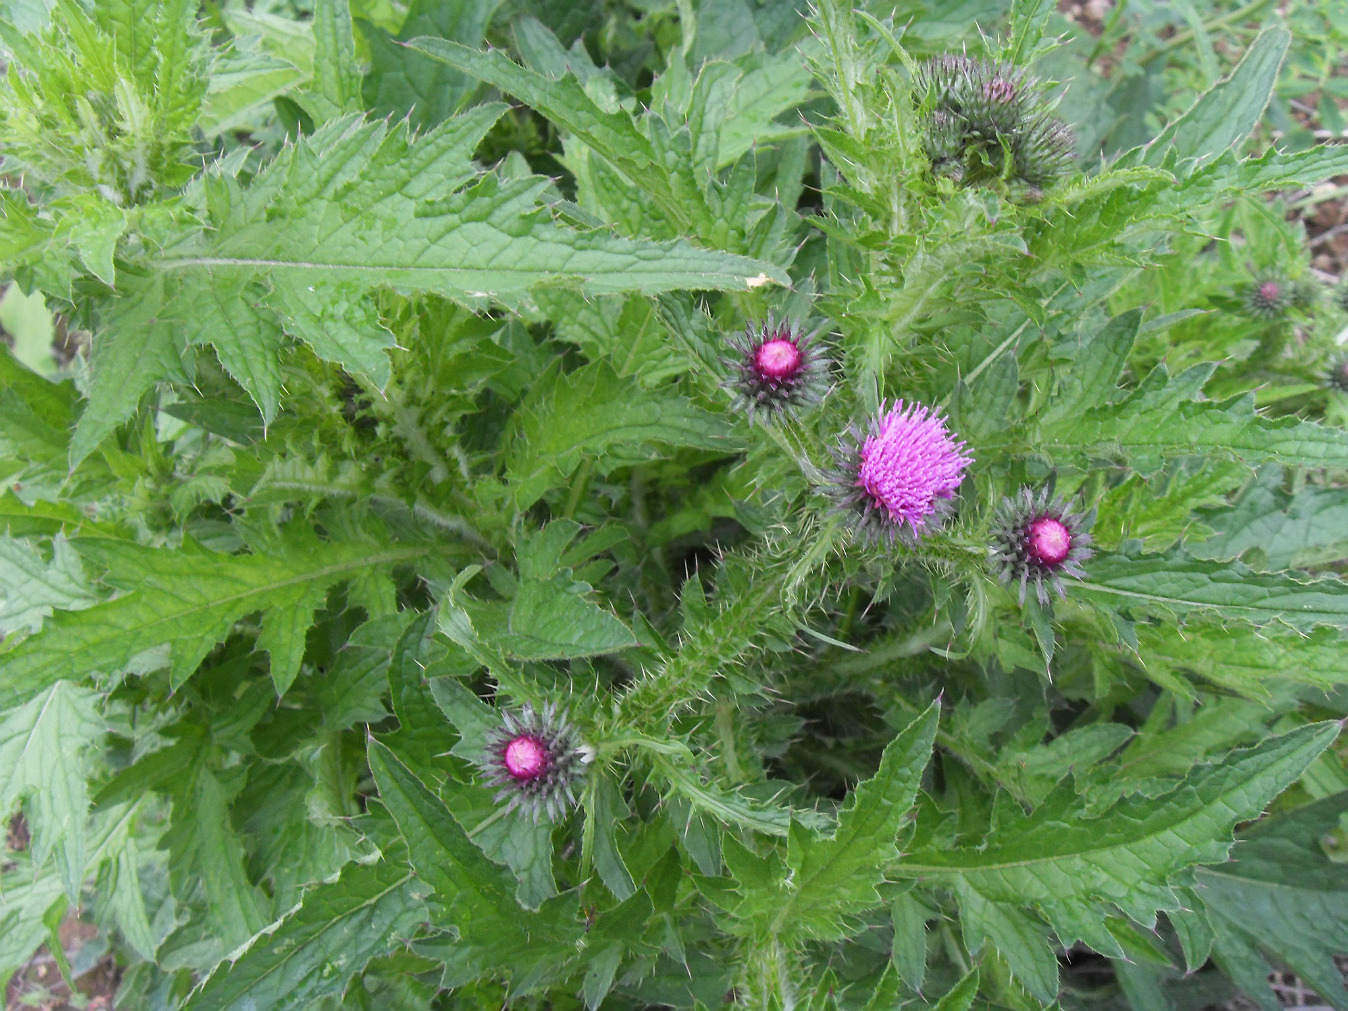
{"type": "Point", "coordinates": [899, 476]}
{"type": "Point", "coordinates": [777, 368]}
{"type": "Point", "coordinates": [1037, 539]}
{"type": "Point", "coordinates": [988, 120]}
{"type": "Point", "coordinates": [1268, 296]}
{"type": "Point", "coordinates": [536, 759]}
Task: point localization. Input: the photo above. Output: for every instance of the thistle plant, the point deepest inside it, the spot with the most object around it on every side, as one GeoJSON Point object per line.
{"type": "Point", "coordinates": [396, 609]}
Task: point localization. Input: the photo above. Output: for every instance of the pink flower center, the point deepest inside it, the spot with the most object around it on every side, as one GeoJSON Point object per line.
{"type": "Point", "coordinates": [1268, 290]}
{"type": "Point", "coordinates": [777, 359]}
{"type": "Point", "coordinates": [526, 757]}
{"type": "Point", "coordinates": [1048, 541]}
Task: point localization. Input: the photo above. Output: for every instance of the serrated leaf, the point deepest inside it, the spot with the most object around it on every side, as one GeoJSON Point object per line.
{"type": "Point", "coordinates": [43, 747]}
{"type": "Point", "coordinates": [835, 877]}
{"type": "Point", "coordinates": [285, 623]}
{"type": "Point", "coordinates": [439, 849]}
{"type": "Point", "coordinates": [1175, 584]}
{"type": "Point", "coordinates": [1096, 366]}
{"type": "Point", "coordinates": [1244, 659]}
{"type": "Point", "coordinates": [1073, 866]}
{"type": "Point", "coordinates": [35, 414]}
{"type": "Point", "coordinates": [336, 81]}
{"type": "Point", "coordinates": [320, 216]}
{"type": "Point", "coordinates": [525, 847]}
{"type": "Point", "coordinates": [315, 950]}
{"type": "Point", "coordinates": [961, 996]}
{"type": "Point", "coordinates": [604, 812]}
{"type": "Point", "coordinates": [187, 599]}
{"type": "Point", "coordinates": [908, 953]}
{"type": "Point", "coordinates": [1282, 894]}
{"type": "Point", "coordinates": [31, 586]}
{"type": "Point", "coordinates": [1018, 937]}
{"type": "Point", "coordinates": [136, 347]}
{"type": "Point", "coordinates": [1288, 531]}
{"type": "Point", "coordinates": [609, 133]}
{"type": "Point", "coordinates": [553, 620]}
{"type": "Point", "coordinates": [467, 887]}
{"type": "Point", "coordinates": [1163, 419]}
{"type": "Point", "coordinates": [593, 413]}
{"type": "Point", "coordinates": [206, 848]}
{"type": "Point", "coordinates": [1227, 112]}
{"type": "Point", "coordinates": [404, 82]}
{"type": "Point", "coordinates": [247, 342]}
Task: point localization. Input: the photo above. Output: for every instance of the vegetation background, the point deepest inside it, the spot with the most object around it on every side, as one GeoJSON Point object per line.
{"type": "Point", "coordinates": [368, 376]}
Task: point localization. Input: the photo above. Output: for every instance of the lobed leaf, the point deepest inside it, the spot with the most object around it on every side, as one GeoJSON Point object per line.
{"type": "Point", "coordinates": [188, 599]}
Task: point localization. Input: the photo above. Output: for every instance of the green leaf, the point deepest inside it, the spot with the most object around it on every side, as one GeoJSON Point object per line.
{"type": "Point", "coordinates": [137, 346]}
{"type": "Point", "coordinates": [1097, 363]}
{"type": "Point", "coordinates": [404, 82]}
{"type": "Point", "coordinates": [245, 81]}
{"type": "Point", "coordinates": [1282, 895]}
{"type": "Point", "coordinates": [1164, 419]}
{"type": "Point", "coordinates": [1073, 865]}
{"type": "Point", "coordinates": [314, 951]}
{"type": "Point", "coordinates": [31, 586]}
{"type": "Point", "coordinates": [553, 620]}
{"type": "Point", "coordinates": [1018, 937]}
{"type": "Point", "coordinates": [43, 750]}
{"type": "Point", "coordinates": [1227, 112]}
{"type": "Point", "coordinates": [439, 849]}
{"type": "Point", "coordinates": [835, 877]}
{"type": "Point", "coordinates": [591, 412]}
{"type": "Point", "coordinates": [525, 847]}
{"type": "Point", "coordinates": [247, 342]}
{"type": "Point", "coordinates": [604, 812]}
{"type": "Point", "coordinates": [189, 599]}
{"type": "Point", "coordinates": [1175, 584]}
{"type": "Point", "coordinates": [470, 891]}
{"type": "Point", "coordinates": [609, 133]}
{"type": "Point", "coordinates": [336, 82]}
{"type": "Point", "coordinates": [909, 950]}
{"type": "Point", "coordinates": [35, 414]}
{"type": "Point", "coordinates": [1285, 531]}
{"type": "Point", "coordinates": [206, 848]}
{"type": "Point", "coordinates": [961, 996]}
{"type": "Point", "coordinates": [1242, 658]}
{"type": "Point", "coordinates": [1029, 19]}
{"type": "Point", "coordinates": [317, 217]}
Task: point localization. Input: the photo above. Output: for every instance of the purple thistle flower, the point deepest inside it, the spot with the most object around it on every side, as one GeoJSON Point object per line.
{"type": "Point", "coordinates": [536, 760]}
{"type": "Point", "coordinates": [777, 368]}
{"type": "Point", "coordinates": [1037, 539]}
{"type": "Point", "coordinates": [901, 474]}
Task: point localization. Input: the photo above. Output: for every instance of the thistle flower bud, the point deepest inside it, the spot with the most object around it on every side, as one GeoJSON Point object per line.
{"type": "Point", "coordinates": [898, 477]}
{"type": "Point", "coordinates": [536, 759]}
{"type": "Point", "coordinates": [1336, 377]}
{"type": "Point", "coordinates": [1037, 539]}
{"type": "Point", "coordinates": [987, 120]}
{"type": "Point", "coordinates": [777, 367]}
{"type": "Point", "coordinates": [1268, 296]}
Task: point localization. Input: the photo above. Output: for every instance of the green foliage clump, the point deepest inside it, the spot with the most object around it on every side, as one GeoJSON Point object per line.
{"type": "Point", "coordinates": [451, 552]}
